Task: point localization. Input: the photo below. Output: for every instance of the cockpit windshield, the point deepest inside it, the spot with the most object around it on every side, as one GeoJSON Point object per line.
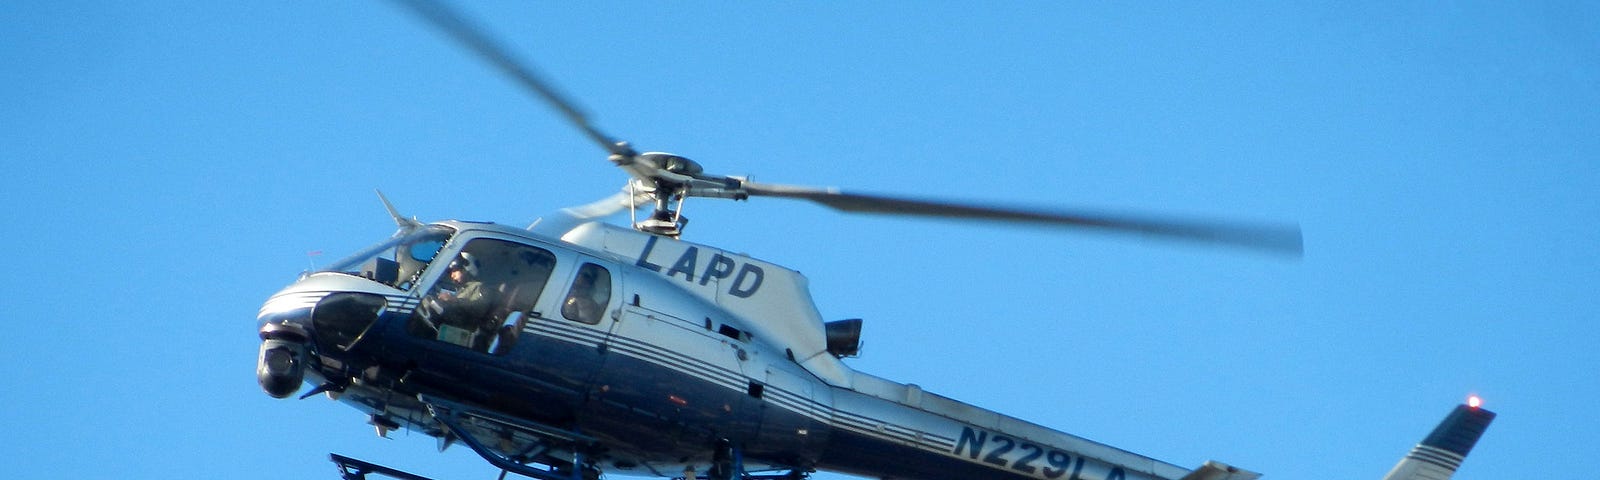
{"type": "Point", "coordinates": [396, 262]}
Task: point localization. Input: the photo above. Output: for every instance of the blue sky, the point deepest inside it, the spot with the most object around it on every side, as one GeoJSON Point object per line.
{"type": "Point", "coordinates": [170, 164]}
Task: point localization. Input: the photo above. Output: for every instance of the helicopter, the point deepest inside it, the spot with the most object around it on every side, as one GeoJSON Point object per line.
{"type": "Point", "coordinates": [574, 346]}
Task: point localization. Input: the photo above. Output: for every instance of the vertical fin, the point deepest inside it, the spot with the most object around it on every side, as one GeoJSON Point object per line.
{"type": "Point", "coordinates": [1441, 453]}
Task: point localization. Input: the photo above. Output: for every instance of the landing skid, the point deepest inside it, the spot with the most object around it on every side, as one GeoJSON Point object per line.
{"type": "Point", "coordinates": [352, 469]}
{"type": "Point", "coordinates": [750, 476]}
{"type": "Point", "coordinates": [727, 461]}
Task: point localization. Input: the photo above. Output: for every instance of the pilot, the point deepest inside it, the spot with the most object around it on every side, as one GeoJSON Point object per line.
{"type": "Point", "coordinates": [580, 305]}
{"type": "Point", "coordinates": [464, 299]}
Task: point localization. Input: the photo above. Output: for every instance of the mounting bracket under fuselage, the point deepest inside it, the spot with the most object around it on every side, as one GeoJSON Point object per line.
{"type": "Point", "coordinates": [450, 413]}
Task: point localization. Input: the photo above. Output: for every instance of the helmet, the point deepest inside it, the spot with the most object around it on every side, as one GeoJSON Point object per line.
{"type": "Point", "coordinates": [466, 263]}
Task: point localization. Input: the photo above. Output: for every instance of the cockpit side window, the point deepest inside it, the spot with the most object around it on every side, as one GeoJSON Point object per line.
{"type": "Point", "coordinates": [484, 295]}
{"type": "Point", "coordinates": [591, 292]}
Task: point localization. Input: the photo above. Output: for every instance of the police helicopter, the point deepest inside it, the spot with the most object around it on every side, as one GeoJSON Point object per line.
{"type": "Point", "coordinates": [575, 346]}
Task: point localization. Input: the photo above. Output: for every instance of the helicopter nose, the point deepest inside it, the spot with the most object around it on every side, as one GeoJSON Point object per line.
{"type": "Point", "coordinates": [336, 323]}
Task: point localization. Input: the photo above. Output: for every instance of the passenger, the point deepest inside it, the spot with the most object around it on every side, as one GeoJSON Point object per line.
{"type": "Point", "coordinates": [581, 305]}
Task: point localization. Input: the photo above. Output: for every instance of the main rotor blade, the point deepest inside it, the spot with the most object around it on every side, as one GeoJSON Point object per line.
{"type": "Point", "coordinates": [1279, 238]}
{"type": "Point", "coordinates": [457, 26]}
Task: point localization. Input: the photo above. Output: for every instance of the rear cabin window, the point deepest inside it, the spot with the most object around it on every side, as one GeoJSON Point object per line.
{"type": "Point", "coordinates": [591, 292]}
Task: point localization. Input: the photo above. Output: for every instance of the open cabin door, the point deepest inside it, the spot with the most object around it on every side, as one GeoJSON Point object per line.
{"type": "Point", "coordinates": [474, 301]}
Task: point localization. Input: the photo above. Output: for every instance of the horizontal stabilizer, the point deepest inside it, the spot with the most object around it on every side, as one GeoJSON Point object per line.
{"type": "Point", "coordinates": [1214, 470]}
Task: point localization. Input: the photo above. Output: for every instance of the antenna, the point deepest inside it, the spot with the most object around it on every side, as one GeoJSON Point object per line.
{"type": "Point", "coordinates": [405, 224]}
